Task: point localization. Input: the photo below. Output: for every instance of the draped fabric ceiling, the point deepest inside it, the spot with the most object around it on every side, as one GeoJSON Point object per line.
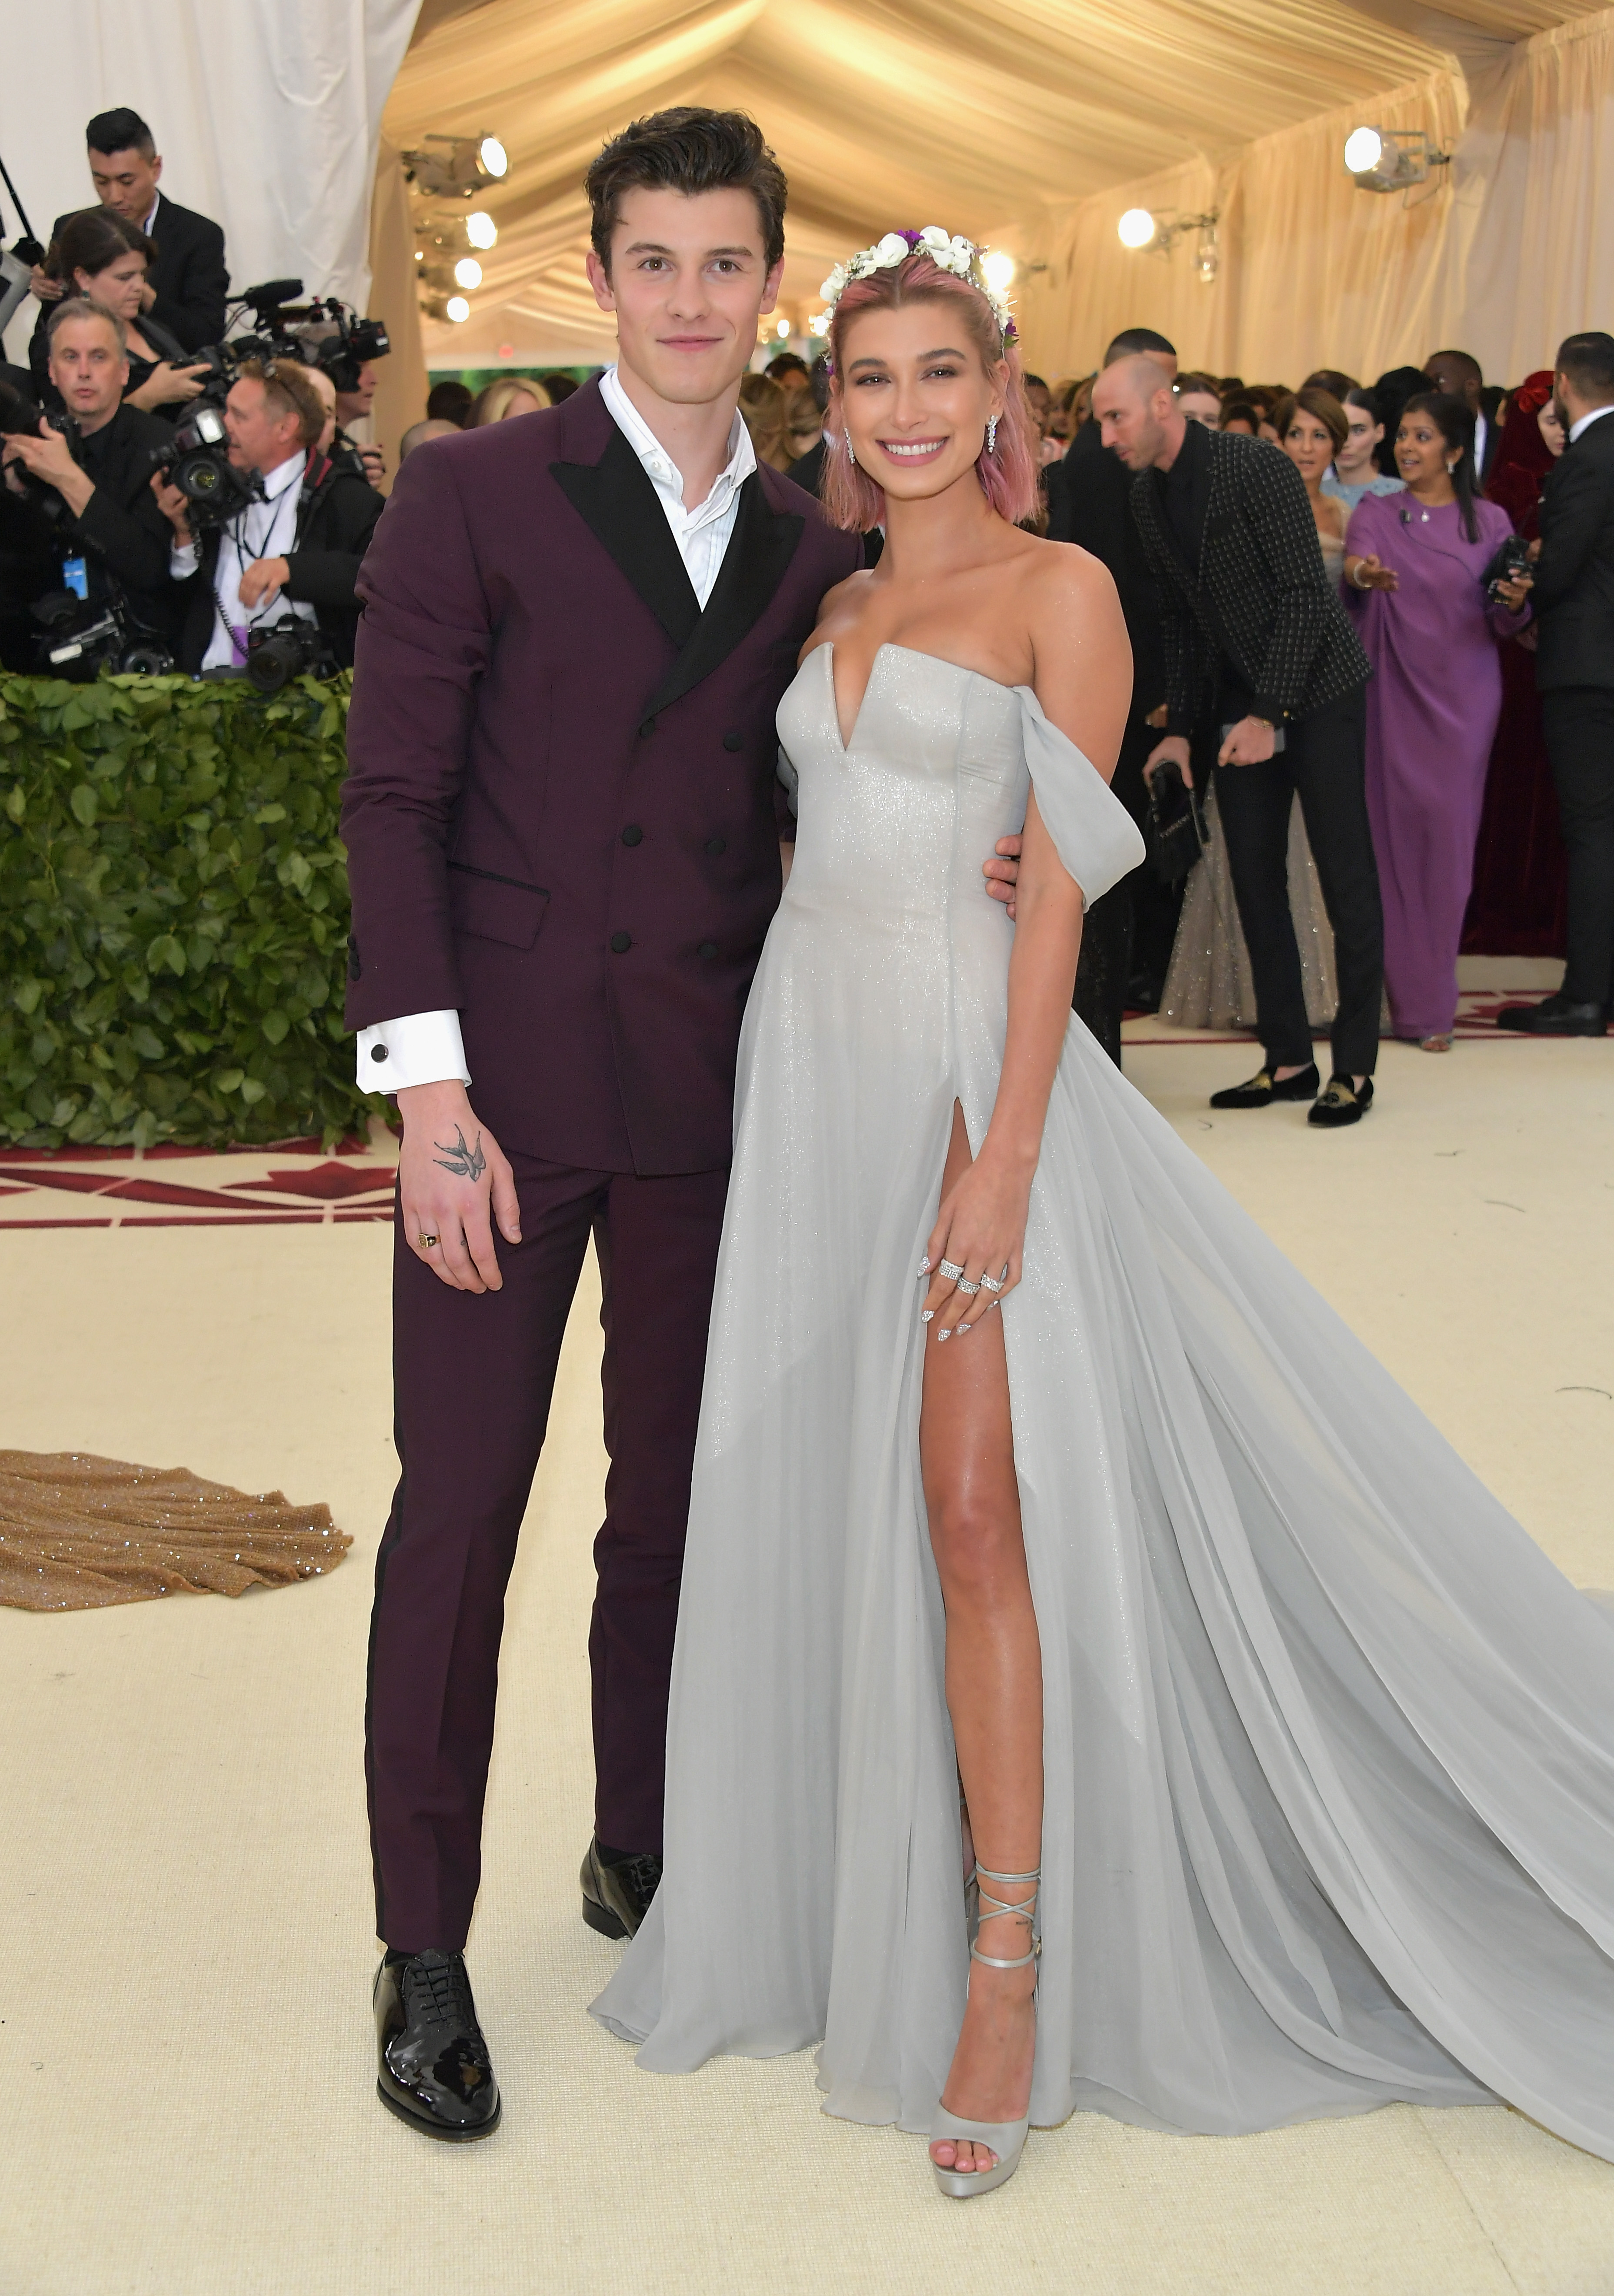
{"type": "Point", "coordinates": [1030, 124]}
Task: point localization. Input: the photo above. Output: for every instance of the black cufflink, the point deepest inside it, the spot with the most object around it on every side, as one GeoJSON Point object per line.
{"type": "Point", "coordinates": [378, 1052]}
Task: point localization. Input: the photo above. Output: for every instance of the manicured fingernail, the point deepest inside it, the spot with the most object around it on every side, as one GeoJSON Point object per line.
{"type": "Point", "coordinates": [943, 1334]}
{"type": "Point", "coordinates": [966, 1327]}
{"type": "Point", "coordinates": [925, 1314]}
{"type": "Point", "coordinates": [924, 1268]}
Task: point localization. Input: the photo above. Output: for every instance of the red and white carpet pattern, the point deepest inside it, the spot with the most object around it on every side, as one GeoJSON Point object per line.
{"type": "Point", "coordinates": [297, 1184]}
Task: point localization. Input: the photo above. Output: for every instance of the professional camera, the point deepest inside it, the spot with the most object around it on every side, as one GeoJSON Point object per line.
{"type": "Point", "coordinates": [20, 418]}
{"type": "Point", "coordinates": [354, 344]}
{"type": "Point", "coordinates": [79, 640]}
{"type": "Point", "coordinates": [322, 333]}
{"type": "Point", "coordinates": [196, 460]}
{"type": "Point", "coordinates": [288, 650]}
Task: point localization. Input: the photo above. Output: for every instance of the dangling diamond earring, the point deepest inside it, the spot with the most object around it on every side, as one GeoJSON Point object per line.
{"type": "Point", "coordinates": [851, 457]}
{"type": "Point", "coordinates": [991, 434]}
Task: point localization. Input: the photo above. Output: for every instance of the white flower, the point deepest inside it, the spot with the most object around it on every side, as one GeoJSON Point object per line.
{"type": "Point", "coordinates": [832, 286]}
{"type": "Point", "coordinates": [891, 249]}
{"type": "Point", "coordinates": [964, 255]}
{"type": "Point", "coordinates": [933, 236]}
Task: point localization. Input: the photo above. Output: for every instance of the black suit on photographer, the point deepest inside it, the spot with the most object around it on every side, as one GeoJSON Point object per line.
{"type": "Point", "coordinates": [293, 556]}
{"type": "Point", "coordinates": [188, 282]}
{"type": "Point", "coordinates": [90, 522]}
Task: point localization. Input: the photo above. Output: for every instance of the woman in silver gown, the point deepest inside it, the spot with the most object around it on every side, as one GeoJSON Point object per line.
{"type": "Point", "coordinates": [1290, 1744]}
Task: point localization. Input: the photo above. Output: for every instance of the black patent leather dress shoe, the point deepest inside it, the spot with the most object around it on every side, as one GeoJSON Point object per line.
{"type": "Point", "coordinates": [435, 2070]}
{"type": "Point", "coordinates": [1342, 1101]}
{"type": "Point", "coordinates": [1555, 1016]}
{"type": "Point", "coordinates": [1261, 1090]}
{"type": "Point", "coordinates": [616, 1897]}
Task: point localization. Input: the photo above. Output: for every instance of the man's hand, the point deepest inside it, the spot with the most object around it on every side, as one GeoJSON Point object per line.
{"type": "Point", "coordinates": [171, 502]}
{"type": "Point", "coordinates": [44, 289]}
{"type": "Point", "coordinates": [1172, 751]}
{"type": "Point", "coordinates": [1251, 743]}
{"type": "Point", "coordinates": [453, 1181]}
{"type": "Point", "coordinates": [263, 581]}
{"type": "Point", "coordinates": [1003, 873]}
{"type": "Point", "coordinates": [374, 461]}
{"type": "Point", "coordinates": [148, 295]}
{"type": "Point", "coordinates": [1516, 593]}
{"type": "Point", "coordinates": [48, 457]}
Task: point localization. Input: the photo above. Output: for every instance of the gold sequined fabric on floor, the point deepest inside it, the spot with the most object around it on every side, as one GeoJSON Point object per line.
{"type": "Point", "coordinates": [1209, 984]}
{"type": "Point", "coordinates": [78, 1533]}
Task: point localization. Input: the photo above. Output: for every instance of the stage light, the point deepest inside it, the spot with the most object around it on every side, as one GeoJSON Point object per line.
{"type": "Point", "coordinates": [457, 310]}
{"type": "Point", "coordinates": [998, 270]}
{"type": "Point", "coordinates": [420, 255]}
{"type": "Point", "coordinates": [1362, 147]}
{"type": "Point", "coordinates": [781, 329]}
{"type": "Point", "coordinates": [482, 230]}
{"type": "Point", "coordinates": [819, 324]}
{"type": "Point", "coordinates": [456, 167]}
{"type": "Point", "coordinates": [1136, 227]}
{"type": "Point", "coordinates": [1391, 159]}
{"type": "Point", "coordinates": [467, 272]}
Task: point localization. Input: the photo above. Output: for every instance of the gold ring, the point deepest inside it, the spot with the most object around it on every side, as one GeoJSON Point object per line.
{"type": "Point", "coordinates": [428, 1243]}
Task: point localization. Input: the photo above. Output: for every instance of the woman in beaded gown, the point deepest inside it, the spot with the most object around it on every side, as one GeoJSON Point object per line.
{"type": "Point", "coordinates": [1289, 1746]}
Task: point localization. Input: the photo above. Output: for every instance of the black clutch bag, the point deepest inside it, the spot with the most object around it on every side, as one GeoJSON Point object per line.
{"type": "Point", "coordinates": [1176, 834]}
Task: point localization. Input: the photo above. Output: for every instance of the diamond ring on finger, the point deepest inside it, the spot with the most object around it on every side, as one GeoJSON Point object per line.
{"type": "Point", "coordinates": [950, 1271]}
{"type": "Point", "coordinates": [967, 1288]}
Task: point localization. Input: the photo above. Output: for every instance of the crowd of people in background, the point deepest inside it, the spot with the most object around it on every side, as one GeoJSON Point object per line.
{"type": "Point", "coordinates": [1437, 531]}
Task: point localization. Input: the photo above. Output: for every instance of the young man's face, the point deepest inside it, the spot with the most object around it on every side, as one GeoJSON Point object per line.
{"type": "Point", "coordinates": [126, 182]}
{"type": "Point", "coordinates": [688, 282]}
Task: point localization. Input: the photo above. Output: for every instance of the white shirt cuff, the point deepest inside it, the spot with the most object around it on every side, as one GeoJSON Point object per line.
{"type": "Point", "coordinates": [183, 560]}
{"type": "Point", "coordinates": [420, 1048]}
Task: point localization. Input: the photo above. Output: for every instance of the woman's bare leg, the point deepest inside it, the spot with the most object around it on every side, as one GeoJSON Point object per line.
{"type": "Point", "coordinates": [994, 1693]}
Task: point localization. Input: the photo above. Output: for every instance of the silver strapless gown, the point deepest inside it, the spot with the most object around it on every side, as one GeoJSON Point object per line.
{"type": "Point", "coordinates": [1329, 1742]}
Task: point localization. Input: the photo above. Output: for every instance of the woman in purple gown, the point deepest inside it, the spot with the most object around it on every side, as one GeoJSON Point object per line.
{"type": "Point", "coordinates": [1412, 570]}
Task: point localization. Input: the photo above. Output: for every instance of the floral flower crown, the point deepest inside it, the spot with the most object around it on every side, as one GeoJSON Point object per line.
{"type": "Point", "coordinates": [961, 257]}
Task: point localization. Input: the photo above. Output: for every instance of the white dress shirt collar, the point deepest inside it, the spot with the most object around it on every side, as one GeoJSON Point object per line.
{"type": "Point", "coordinates": [151, 219]}
{"type": "Point", "coordinates": [1585, 421]}
{"type": "Point", "coordinates": [664, 473]}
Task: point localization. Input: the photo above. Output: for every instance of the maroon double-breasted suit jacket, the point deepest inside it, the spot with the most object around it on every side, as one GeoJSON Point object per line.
{"type": "Point", "coordinates": [560, 808]}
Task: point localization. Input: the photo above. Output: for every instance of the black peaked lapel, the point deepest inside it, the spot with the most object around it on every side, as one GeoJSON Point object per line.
{"type": "Point", "coordinates": [759, 552]}
{"type": "Point", "coordinates": [616, 499]}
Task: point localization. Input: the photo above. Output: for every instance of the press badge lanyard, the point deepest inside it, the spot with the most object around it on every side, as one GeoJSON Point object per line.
{"type": "Point", "coordinates": [241, 632]}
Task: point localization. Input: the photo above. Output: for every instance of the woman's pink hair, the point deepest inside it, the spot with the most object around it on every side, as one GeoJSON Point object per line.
{"type": "Point", "coordinates": [1008, 477]}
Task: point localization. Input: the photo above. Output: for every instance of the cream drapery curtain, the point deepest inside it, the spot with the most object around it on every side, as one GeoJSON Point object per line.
{"type": "Point", "coordinates": [1505, 252]}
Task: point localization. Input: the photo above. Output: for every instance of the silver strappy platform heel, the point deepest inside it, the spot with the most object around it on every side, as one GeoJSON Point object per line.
{"type": "Point", "coordinates": [1006, 2138]}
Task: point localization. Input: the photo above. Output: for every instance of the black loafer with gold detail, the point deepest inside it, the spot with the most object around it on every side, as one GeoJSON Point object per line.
{"type": "Point", "coordinates": [1342, 1101]}
{"type": "Point", "coordinates": [1261, 1090]}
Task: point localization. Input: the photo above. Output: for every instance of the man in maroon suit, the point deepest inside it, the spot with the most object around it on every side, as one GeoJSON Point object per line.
{"type": "Point", "coordinates": [561, 825]}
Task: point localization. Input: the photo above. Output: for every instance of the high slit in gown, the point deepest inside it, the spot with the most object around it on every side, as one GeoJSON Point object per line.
{"type": "Point", "coordinates": [1329, 1742]}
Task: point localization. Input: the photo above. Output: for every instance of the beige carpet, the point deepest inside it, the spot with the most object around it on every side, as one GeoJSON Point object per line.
{"type": "Point", "coordinates": [185, 2078]}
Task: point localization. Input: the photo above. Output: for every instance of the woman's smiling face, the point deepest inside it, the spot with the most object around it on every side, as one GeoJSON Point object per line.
{"type": "Point", "coordinates": [915, 398]}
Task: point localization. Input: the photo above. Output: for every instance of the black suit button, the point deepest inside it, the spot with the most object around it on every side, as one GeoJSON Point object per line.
{"type": "Point", "coordinates": [715, 845]}
{"type": "Point", "coordinates": [632, 834]}
{"type": "Point", "coordinates": [620, 943]}
{"type": "Point", "coordinates": [378, 1052]}
{"type": "Point", "coordinates": [707, 948]}
{"type": "Point", "coordinates": [733, 740]}
{"type": "Point", "coordinates": [647, 729]}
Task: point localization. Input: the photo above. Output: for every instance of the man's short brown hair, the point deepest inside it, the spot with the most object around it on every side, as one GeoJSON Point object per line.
{"type": "Point", "coordinates": [688, 149]}
{"type": "Point", "coordinates": [287, 390]}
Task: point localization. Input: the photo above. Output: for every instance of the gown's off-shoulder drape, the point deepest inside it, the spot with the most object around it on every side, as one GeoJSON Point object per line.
{"type": "Point", "coordinates": [1329, 1742]}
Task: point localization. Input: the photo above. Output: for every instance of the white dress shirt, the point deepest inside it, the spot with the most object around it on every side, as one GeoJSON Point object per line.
{"type": "Point", "coordinates": [1584, 422]}
{"type": "Point", "coordinates": [264, 529]}
{"type": "Point", "coordinates": [428, 1048]}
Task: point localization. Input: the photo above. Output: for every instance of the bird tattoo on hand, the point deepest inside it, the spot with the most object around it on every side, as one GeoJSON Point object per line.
{"type": "Point", "coordinates": [465, 1163]}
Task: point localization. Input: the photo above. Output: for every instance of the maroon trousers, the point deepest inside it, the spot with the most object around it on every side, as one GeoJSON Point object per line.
{"type": "Point", "coordinates": [473, 1374]}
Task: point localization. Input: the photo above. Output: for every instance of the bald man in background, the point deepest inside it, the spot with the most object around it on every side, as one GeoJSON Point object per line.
{"type": "Point", "coordinates": [1127, 935]}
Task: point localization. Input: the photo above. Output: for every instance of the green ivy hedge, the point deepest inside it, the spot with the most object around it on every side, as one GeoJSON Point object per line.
{"type": "Point", "coordinates": [173, 914]}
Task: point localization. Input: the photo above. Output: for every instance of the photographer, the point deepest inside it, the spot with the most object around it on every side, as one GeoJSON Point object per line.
{"type": "Point", "coordinates": [365, 461]}
{"type": "Point", "coordinates": [294, 554]}
{"type": "Point", "coordinates": [97, 528]}
{"type": "Point", "coordinates": [106, 259]}
{"type": "Point", "coordinates": [188, 285]}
